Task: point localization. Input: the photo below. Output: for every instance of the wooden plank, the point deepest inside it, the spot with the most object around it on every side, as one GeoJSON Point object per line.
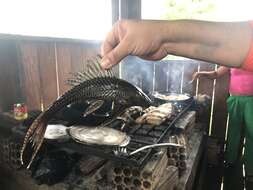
{"type": "Point", "coordinates": [47, 39]}
{"type": "Point", "coordinates": [71, 58]}
{"type": "Point", "coordinates": [220, 107]}
{"type": "Point", "coordinates": [30, 75]}
{"type": "Point", "coordinates": [10, 92]}
{"type": "Point", "coordinates": [47, 69]}
{"type": "Point", "coordinates": [89, 52]}
{"type": "Point", "coordinates": [76, 56]}
{"type": "Point", "coordinates": [64, 65]}
{"type": "Point", "coordinates": [206, 85]}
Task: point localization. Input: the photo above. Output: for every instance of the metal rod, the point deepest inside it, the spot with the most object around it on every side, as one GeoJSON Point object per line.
{"type": "Point", "coordinates": [153, 146]}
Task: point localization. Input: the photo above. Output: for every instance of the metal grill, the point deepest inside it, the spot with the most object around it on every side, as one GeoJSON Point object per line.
{"type": "Point", "coordinates": [141, 135]}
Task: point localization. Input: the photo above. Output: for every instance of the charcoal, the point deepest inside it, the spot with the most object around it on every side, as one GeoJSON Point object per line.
{"type": "Point", "coordinates": [53, 168]}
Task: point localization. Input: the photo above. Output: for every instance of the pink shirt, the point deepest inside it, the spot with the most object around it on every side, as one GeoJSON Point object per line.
{"type": "Point", "coordinates": [241, 82]}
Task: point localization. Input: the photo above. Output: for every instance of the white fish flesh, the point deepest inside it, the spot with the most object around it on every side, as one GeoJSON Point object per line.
{"type": "Point", "coordinates": [156, 115]}
{"type": "Point", "coordinates": [98, 135]}
{"type": "Point", "coordinates": [172, 97]}
{"type": "Point", "coordinates": [54, 132]}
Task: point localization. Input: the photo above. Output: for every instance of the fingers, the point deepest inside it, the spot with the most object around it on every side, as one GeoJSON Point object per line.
{"type": "Point", "coordinates": [195, 76]}
{"type": "Point", "coordinates": [114, 55]}
{"type": "Point", "coordinates": [115, 47]}
{"type": "Point", "coordinates": [109, 43]}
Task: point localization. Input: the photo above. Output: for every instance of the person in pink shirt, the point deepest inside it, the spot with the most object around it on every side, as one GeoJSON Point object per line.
{"type": "Point", "coordinates": [240, 109]}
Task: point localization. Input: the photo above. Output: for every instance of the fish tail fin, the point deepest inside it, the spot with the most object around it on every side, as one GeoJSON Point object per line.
{"type": "Point", "coordinates": [33, 140]}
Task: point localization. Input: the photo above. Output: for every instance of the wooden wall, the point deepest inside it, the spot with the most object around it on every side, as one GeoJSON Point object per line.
{"type": "Point", "coordinates": [34, 70]}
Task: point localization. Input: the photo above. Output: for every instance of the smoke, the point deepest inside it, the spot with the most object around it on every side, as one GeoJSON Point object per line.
{"type": "Point", "coordinates": [138, 72]}
{"type": "Point", "coordinates": [166, 75]}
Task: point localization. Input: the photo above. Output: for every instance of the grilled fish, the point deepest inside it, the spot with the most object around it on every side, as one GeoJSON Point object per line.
{"type": "Point", "coordinates": [156, 115]}
{"type": "Point", "coordinates": [98, 135]}
{"type": "Point", "coordinates": [93, 83]}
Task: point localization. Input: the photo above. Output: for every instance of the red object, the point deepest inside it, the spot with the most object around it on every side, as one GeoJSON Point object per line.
{"type": "Point", "coordinates": [20, 111]}
{"type": "Point", "coordinates": [241, 82]}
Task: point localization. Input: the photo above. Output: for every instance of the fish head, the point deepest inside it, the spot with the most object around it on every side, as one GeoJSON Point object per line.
{"type": "Point", "coordinates": [137, 98]}
{"type": "Point", "coordinates": [141, 99]}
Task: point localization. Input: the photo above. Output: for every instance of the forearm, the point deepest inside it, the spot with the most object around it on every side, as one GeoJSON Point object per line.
{"type": "Point", "coordinates": [222, 43]}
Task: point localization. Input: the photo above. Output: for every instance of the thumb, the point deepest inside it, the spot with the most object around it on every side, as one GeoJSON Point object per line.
{"type": "Point", "coordinates": [114, 56]}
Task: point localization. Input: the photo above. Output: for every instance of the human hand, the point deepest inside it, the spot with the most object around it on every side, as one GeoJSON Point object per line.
{"type": "Point", "coordinates": [128, 37]}
{"type": "Point", "coordinates": [206, 74]}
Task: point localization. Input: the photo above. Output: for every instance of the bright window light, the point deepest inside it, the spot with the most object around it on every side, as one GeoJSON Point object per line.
{"type": "Point", "coordinates": [214, 10]}
{"type": "Point", "coordinates": [80, 19]}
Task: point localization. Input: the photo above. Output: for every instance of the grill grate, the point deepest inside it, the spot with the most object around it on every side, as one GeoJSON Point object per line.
{"type": "Point", "coordinates": [141, 135]}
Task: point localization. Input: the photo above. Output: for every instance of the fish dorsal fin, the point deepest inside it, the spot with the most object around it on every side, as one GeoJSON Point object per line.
{"type": "Point", "coordinates": [91, 71]}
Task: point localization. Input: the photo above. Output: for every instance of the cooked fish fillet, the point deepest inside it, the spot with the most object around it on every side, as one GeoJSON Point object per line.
{"type": "Point", "coordinates": [56, 132]}
{"type": "Point", "coordinates": [156, 115]}
{"type": "Point", "coordinates": [98, 135]}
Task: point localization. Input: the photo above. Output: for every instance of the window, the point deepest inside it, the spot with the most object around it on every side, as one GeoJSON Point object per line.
{"type": "Point", "coordinates": [82, 19]}
{"type": "Point", "coordinates": [215, 10]}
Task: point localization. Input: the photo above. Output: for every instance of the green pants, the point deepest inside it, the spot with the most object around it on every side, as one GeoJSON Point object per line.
{"type": "Point", "coordinates": [240, 109]}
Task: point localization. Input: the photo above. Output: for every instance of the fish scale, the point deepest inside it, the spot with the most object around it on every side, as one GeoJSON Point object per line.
{"type": "Point", "coordinates": [96, 84]}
